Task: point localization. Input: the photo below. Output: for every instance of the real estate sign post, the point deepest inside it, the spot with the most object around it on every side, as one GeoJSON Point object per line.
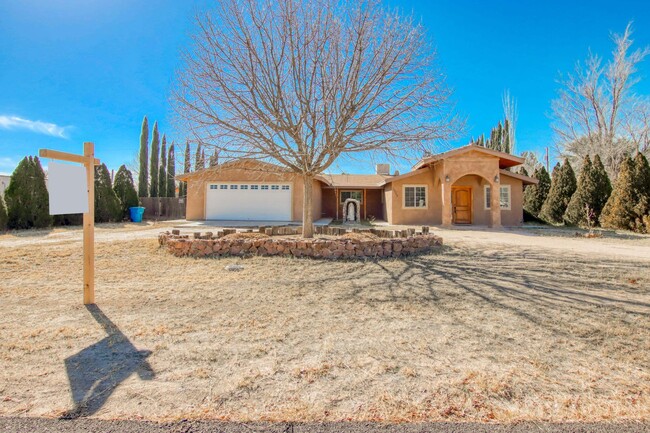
{"type": "Point", "coordinates": [72, 192]}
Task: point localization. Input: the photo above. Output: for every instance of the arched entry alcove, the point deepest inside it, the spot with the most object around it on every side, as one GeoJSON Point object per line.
{"type": "Point", "coordinates": [471, 202]}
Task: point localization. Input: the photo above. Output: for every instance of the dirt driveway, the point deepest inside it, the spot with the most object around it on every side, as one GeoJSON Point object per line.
{"type": "Point", "coordinates": [514, 325]}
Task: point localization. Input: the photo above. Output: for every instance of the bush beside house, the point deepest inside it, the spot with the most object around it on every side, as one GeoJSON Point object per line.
{"type": "Point", "coordinates": [563, 186]}
{"type": "Point", "coordinates": [125, 190]}
{"type": "Point", "coordinates": [107, 205]}
{"type": "Point", "coordinates": [26, 196]}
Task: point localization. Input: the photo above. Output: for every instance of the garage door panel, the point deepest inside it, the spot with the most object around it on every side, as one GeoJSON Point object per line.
{"type": "Point", "coordinates": [248, 204]}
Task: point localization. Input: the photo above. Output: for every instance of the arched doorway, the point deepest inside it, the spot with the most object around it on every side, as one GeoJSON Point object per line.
{"type": "Point", "coordinates": [472, 201]}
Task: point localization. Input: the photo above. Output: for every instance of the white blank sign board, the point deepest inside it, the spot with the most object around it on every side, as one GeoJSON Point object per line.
{"type": "Point", "coordinates": [67, 188]}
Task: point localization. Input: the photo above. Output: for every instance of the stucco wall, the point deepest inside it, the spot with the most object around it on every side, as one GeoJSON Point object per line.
{"type": "Point", "coordinates": [247, 172]}
{"type": "Point", "coordinates": [407, 216]}
{"type": "Point", "coordinates": [514, 216]}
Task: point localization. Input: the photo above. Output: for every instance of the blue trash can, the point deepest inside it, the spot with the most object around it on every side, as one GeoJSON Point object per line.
{"type": "Point", "coordinates": [136, 214]}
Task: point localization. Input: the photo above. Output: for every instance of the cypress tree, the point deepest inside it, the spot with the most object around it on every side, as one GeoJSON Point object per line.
{"type": "Point", "coordinates": [27, 199]}
{"type": "Point", "coordinates": [563, 186]}
{"type": "Point", "coordinates": [171, 172]}
{"type": "Point", "coordinates": [213, 161]}
{"type": "Point", "coordinates": [198, 158]}
{"type": "Point", "coordinates": [603, 185]}
{"type": "Point", "coordinates": [153, 162]}
{"type": "Point", "coordinates": [3, 215]}
{"type": "Point", "coordinates": [143, 175]}
{"type": "Point", "coordinates": [618, 213]}
{"type": "Point", "coordinates": [187, 168]}
{"type": "Point", "coordinates": [162, 175]}
{"type": "Point", "coordinates": [125, 190]}
{"type": "Point", "coordinates": [585, 196]}
{"type": "Point", "coordinates": [107, 206]}
{"type": "Point", "coordinates": [535, 195]}
{"type": "Point", "coordinates": [641, 192]}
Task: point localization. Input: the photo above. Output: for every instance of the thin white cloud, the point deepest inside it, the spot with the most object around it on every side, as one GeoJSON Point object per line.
{"type": "Point", "coordinates": [15, 122]}
{"type": "Point", "coordinates": [7, 165]}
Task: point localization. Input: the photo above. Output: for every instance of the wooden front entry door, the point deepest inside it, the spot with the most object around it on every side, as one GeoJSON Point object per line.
{"type": "Point", "coordinates": [461, 201]}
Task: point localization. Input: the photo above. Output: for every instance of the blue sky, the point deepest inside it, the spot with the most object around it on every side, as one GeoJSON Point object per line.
{"type": "Point", "coordinates": [78, 70]}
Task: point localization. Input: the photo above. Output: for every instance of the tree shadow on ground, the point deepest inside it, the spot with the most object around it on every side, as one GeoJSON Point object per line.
{"type": "Point", "coordinates": [96, 371]}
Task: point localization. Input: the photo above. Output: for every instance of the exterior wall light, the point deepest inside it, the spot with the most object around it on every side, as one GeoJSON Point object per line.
{"type": "Point", "coordinates": [496, 178]}
{"type": "Point", "coordinates": [447, 178]}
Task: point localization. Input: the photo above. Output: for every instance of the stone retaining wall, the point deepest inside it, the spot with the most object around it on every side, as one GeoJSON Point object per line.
{"type": "Point", "coordinates": [322, 248]}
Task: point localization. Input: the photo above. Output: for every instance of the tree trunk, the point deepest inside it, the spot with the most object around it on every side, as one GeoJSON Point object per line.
{"type": "Point", "coordinates": [307, 208]}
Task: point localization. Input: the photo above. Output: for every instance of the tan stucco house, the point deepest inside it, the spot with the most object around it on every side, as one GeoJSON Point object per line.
{"type": "Point", "coordinates": [468, 185]}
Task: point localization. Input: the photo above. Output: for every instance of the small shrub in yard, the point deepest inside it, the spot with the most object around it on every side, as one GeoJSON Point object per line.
{"type": "Point", "coordinates": [3, 215]}
{"type": "Point", "coordinates": [563, 186]}
{"type": "Point", "coordinates": [26, 197]}
{"type": "Point", "coordinates": [535, 195]}
{"type": "Point", "coordinates": [125, 190]}
{"type": "Point", "coordinates": [618, 213]}
{"type": "Point", "coordinates": [107, 206]}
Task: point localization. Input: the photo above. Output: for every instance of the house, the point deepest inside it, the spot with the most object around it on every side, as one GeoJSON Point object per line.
{"type": "Point", "coordinates": [4, 183]}
{"type": "Point", "coordinates": [467, 185]}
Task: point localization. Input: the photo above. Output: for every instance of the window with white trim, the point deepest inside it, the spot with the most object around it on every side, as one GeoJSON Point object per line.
{"type": "Point", "coordinates": [504, 197]}
{"type": "Point", "coordinates": [223, 186]}
{"type": "Point", "coordinates": [255, 187]}
{"type": "Point", "coordinates": [285, 187]}
{"type": "Point", "coordinates": [415, 196]}
{"type": "Point", "coordinates": [233, 186]}
{"type": "Point", "coordinates": [243, 186]}
{"type": "Point", "coordinates": [275, 187]}
{"type": "Point", "coordinates": [214, 186]}
{"type": "Point", "coordinates": [265, 187]}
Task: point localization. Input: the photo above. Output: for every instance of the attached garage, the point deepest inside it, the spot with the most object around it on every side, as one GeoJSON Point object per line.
{"type": "Point", "coordinates": [262, 201]}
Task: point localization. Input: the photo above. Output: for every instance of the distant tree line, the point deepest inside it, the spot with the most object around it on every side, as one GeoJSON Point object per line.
{"type": "Point", "coordinates": [26, 201]}
{"type": "Point", "coordinates": [590, 199]}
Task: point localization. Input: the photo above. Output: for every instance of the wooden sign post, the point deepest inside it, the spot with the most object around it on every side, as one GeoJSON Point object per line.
{"type": "Point", "coordinates": [89, 161]}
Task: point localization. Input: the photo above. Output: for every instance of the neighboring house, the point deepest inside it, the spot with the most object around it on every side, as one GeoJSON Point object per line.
{"type": "Point", "coordinates": [4, 183]}
{"type": "Point", "coordinates": [454, 187]}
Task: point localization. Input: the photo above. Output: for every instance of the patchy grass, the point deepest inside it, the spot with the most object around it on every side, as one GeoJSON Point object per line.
{"type": "Point", "coordinates": [476, 332]}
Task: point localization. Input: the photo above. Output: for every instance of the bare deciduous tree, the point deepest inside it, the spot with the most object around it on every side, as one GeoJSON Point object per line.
{"type": "Point", "coordinates": [511, 114]}
{"type": "Point", "coordinates": [597, 110]}
{"type": "Point", "coordinates": [301, 82]}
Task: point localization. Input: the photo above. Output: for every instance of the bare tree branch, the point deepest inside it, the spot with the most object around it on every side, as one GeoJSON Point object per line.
{"type": "Point", "coordinates": [300, 83]}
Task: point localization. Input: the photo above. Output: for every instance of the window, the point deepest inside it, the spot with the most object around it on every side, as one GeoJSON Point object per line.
{"type": "Point", "coordinates": [285, 187]}
{"type": "Point", "coordinates": [243, 186]}
{"type": "Point", "coordinates": [214, 186]}
{"type": "Point", "coordinates": [255, 187]}
{"type": "Point", "coordinates": [223, 186]}
{"type": "Point", "coordinates": [233, 186]}
{"type": "Point", "coordinates": [415, 196]}
{"type": "Point", "coordinates": [275, 187]}
{"type": "Point", "coordinates": [265, 187]}
{"type": "Point", "coordinates": [357, 195]}
{"type": "Point", "coordinates": [504, 197]}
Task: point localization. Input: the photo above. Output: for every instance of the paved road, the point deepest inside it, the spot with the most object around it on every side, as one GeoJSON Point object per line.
{"type": "Point", "coordinates": [42, 425]}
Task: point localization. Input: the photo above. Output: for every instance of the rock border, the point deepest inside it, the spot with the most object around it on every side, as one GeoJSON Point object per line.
{"type": "Point", "coordinates": [208, 245]}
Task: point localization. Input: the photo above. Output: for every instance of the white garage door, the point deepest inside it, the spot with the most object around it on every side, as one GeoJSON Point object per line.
{"type": "Point", "coordinates": [248, 201]}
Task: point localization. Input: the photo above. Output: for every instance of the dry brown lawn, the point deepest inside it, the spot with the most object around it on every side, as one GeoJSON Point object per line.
{"type": "Point", "coordinates": [494, 330]}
